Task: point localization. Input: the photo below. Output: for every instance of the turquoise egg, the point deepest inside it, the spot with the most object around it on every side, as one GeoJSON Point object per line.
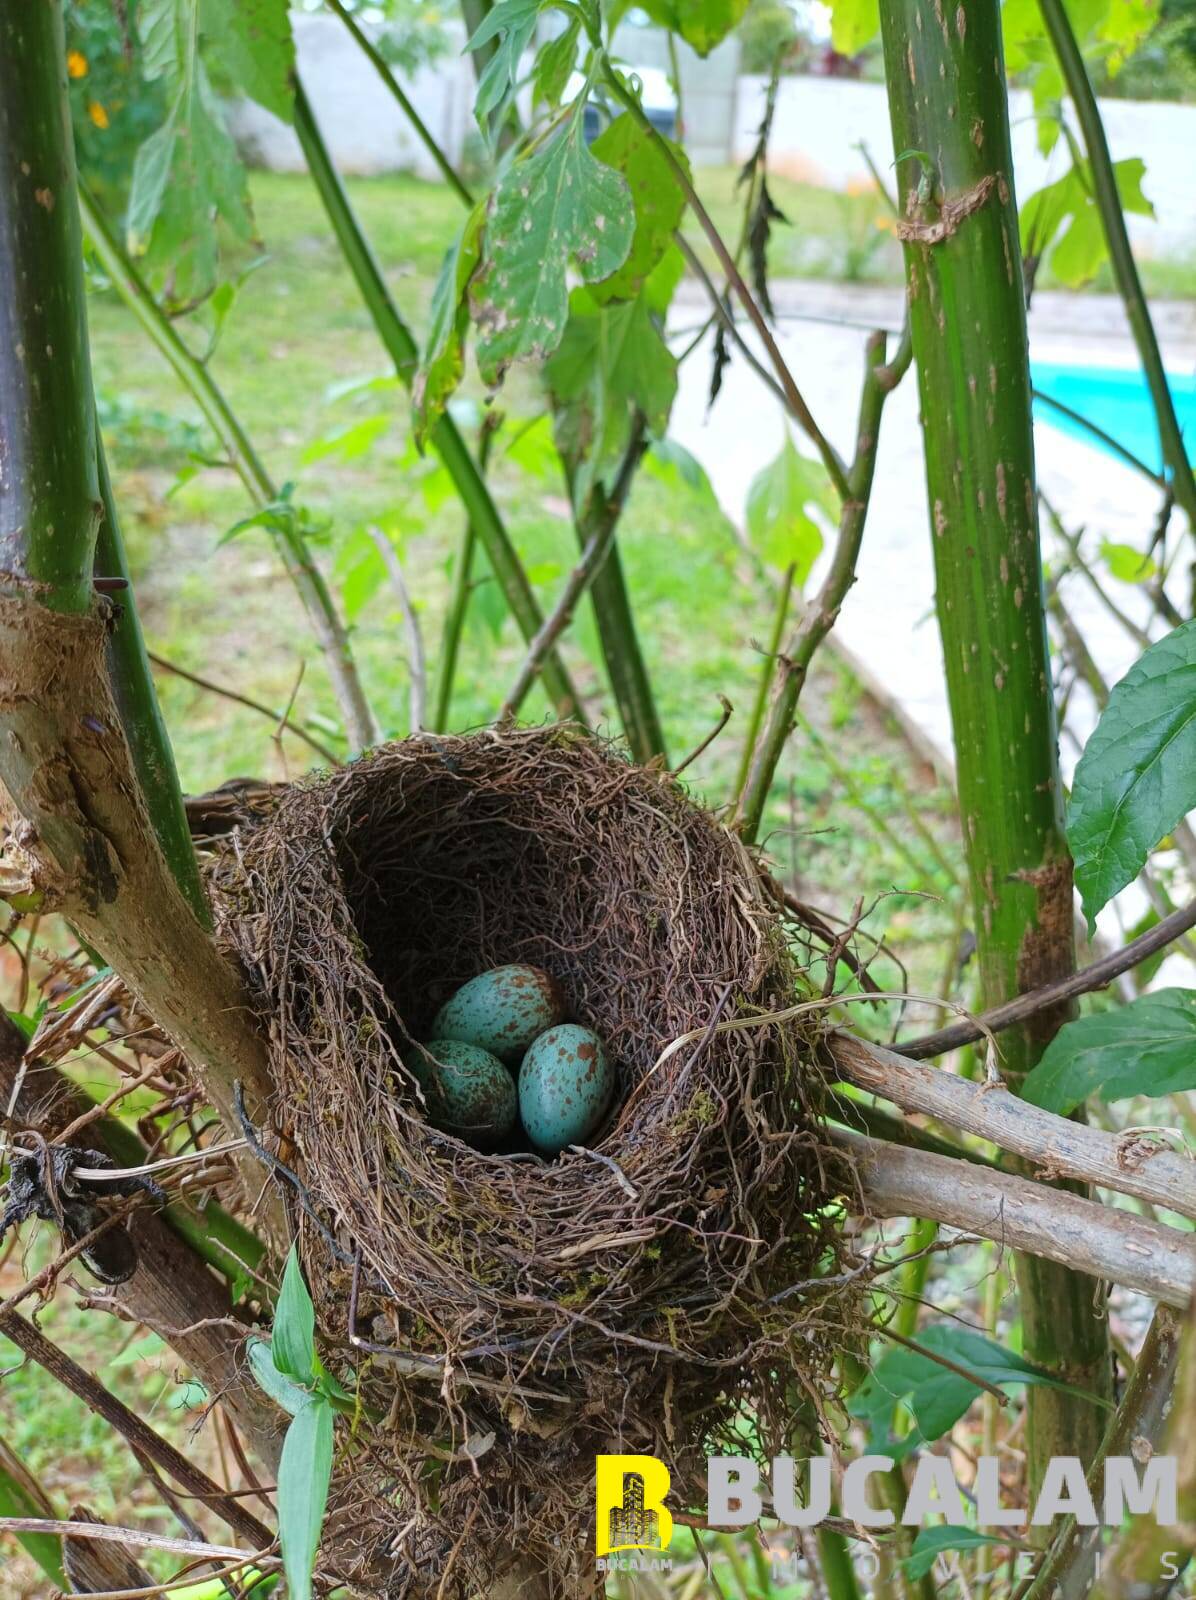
{"type": "Point", "coordinates": [565, 1086]}
{"type": "Point", "coordinates": [473, 1094]}
{"type": "Point", "coordinates": [502, 1011]}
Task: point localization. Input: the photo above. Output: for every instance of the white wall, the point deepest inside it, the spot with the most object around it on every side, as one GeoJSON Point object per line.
{"type": "Point", "coordinates": [820, 123]}
{"type": "Point", "coordinates": [364, 127]}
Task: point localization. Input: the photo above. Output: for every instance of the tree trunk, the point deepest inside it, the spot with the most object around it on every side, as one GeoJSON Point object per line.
{"type": "Point", "coordinates": [947, 96]}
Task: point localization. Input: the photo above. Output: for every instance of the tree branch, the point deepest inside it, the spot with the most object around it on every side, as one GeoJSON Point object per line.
{"type": "Point", "coordinates": [1097, 976]}
{"type": "Point", "coordinates": [1052, 1224]}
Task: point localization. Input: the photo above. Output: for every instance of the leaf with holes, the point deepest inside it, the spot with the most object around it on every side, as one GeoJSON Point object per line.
{"type": "Point", "coordinates": [701, 23]}
{"type": "Point", "coordinates": [1137, 776]}
{"type": "Point", "coordinates": [556, 206]}
{"type": "Point", "coordinates": [781, 503]}
{"type": "Point", "coordinates": [935, 1395]}
{"type": "Point", "coordinates": [610, 364]}
{"type": "Point", "coordinates": [443, 364]}
{"type": "Point", "coordinates": [1147, 1047]}
{"type": "Point", "coordinates": [304, 1473]}
{"type": "Point", "coordinates": [655, 194]}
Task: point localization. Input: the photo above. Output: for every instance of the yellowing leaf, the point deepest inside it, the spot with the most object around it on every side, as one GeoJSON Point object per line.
{"type": "Point", "coordinates": [854, 23]}
{"type": "Point", "coordinates": [556, 206]}
{"type": "Point", "coordinates": [701, 23]}
{"type": "Point", "coordinates": [443, 363]}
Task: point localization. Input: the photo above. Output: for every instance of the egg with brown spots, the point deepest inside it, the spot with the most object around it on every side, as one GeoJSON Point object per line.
{"type": "Point", "coordinates": [502, 1011]}
{"type": "Point", "coordinates": [565, 1087]}
{"type": "Point", "coordinates": [471, 1093]}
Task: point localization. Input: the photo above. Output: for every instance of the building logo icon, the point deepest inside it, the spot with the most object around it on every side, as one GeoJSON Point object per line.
{"type": "Point", "coordinates": [630, 1513]}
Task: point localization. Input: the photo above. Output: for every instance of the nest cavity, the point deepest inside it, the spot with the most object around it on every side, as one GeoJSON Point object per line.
{"type": "Point", "coordinates": [516, 1316]}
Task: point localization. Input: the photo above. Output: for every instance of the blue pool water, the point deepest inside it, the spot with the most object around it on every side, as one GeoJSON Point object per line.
{"type": "Point", "coordinates": [1117, 400]}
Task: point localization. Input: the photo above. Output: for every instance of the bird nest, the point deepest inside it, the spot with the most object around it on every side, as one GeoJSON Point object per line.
{"type": "Point", "coordinates": [505, 1318]}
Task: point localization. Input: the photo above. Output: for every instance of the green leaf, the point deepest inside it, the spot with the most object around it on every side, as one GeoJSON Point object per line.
{"type": "Point", "coordinates": [935, 1396]}
{"type": "Point", "coordinates": [252, 41]}
{"type": "Point", "coordinates": [293, 1339]}
{"type": "Point", "coordinates": [304, 1473]}
{"type": "Point", "coordinates": [1137, 776]}
{"type": "Point", "coordinates": [1147, 1047]}
{"type": "Point", "coordinates": [284, 1391]}
{"type": "Point", "coordinates": [554, 64]}
{"type": "Point", "coordinates": [932, 1542]}
{"type": "Point", "coordinates": [557, 205]}
{"type": "Point", "coordinates": [701, 23]}
{"type": "Point", "coordinates": [779, 505]}
{"type": "Point", "coordinates": [351, 442]}
{"type": "Point", "coordinates": [611, 363]}
{"type": "Point", "coordinates": [1066, 211]}
{"type": "Point", "coordinates": [1126, 564]}
{"type": "Point", "coordinates": [443, 364]}
{"type": "Point", "coordinates": [854, 23]}
{"type": "Point", "coordinates": [187, 176]}
{"type": "Point", "coordinates": [655, 194]}
{"type": "Point", "coordinates": [512, 23]}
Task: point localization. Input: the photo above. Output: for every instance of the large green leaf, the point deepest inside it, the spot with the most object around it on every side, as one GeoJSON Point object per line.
{"type": "Point", "coordinates": [293, 1338]}
{"type": "Point", "coordinates": [304, 1473]}
{"type": "Point", "coordinates": [854, 23]}
{"type": "Point", "coordinates": [556, 206]}
{"type": "Point", "coordinates": [443, 364]}
{"type": "Point", "coordinates": [701, 23]}
{"type": "Point", "coordinates": [935, 1396]}
{"type": "Point", "coordinates": [1067, 211]}
{"type": "Point", "coordinates": [780, 501]}
{"type": "Point", "coordinates": [1137, 776]}
{"type": "Point", "coordinates": [1147, 1047]}
{"type": "Point", "coordinates": [655, 194]}
{"type": "Point", "coordinates": [252, 41]}
{"type": "Point", "coordinates": [611, 363]}
{"type": "Point", "coordinates": [932, 1542]}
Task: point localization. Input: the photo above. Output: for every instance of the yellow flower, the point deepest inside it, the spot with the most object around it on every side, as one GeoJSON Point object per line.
{"type": "Point", "coordinates": [97, 114]}
{"type": "Point", "coordinates": [76, 64]}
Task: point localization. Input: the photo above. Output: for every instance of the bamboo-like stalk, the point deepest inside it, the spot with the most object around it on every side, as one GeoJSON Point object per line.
{"type": "Point", "coordinates": [140, 713]}
{"type": "Point", "coordinates": [293, 548]}
{"type": "Point", "coordinates": [1125, 268]}
{"type": "Point", "coordinates": [22, 1496]}
{"type": "Point", "coordinates": [446, 437]}
{"type": "Point", "coordinates": [47, 415]}
{"type": "Point", "coordinates": [958, 222]}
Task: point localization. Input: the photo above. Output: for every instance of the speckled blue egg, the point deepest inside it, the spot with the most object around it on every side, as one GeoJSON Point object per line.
{"type": "Point", "coordinates": [473, 1094]}
{"type": "Point", "coordinates": [502, 1011]}
{"type": "Point", "coordinates": [565, 1086]}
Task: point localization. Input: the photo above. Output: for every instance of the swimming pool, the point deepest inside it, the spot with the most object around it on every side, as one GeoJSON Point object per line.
{"type": "Point", "coordinates": [1117, 400]}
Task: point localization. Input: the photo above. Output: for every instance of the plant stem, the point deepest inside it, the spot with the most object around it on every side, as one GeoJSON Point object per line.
{"type": "Point", "coordinates": [967, 317]}
{"type": "Point", "coordinates": [49, 497]}
{"type": "Point", "coordinates": [830, 456]}
{"type": "Point", "coordinates": [819, 617]}
{"type": "Point", "coordinates": [766, 674]}
{"type": "Point", "coordinates": [458, 606]}
{"type": "Point", "coordinates": [140, 713]}
{"type": "Point", "coordinates": [382, 67]}
{"type": "Point", "coordinates": [1125, 269]}
{"type": "Point", "coordinates": [630, 681]}
{"type": "Point", "coordinates": [446, 438]}
{"type": "Point", "coordinates": [292, 547]}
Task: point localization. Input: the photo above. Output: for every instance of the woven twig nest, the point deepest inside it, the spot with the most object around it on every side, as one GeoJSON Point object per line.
{"type": "Point", "coordinates": [642, 1296]}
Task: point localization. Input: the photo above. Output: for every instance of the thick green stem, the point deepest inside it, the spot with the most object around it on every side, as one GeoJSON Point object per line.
{"type": "Point", "coordinates": [292, 547]}
{"type": "Point", "coordinates": [49, 499]}
{"type": "Point", "coordinates": [1125, 269]}
{"type": "Point", "coordinates": [446, 437]}
{"type": "Point", "coordinates": [140, 713]}
{"type": "Point", "coordinates": [949, 110]}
